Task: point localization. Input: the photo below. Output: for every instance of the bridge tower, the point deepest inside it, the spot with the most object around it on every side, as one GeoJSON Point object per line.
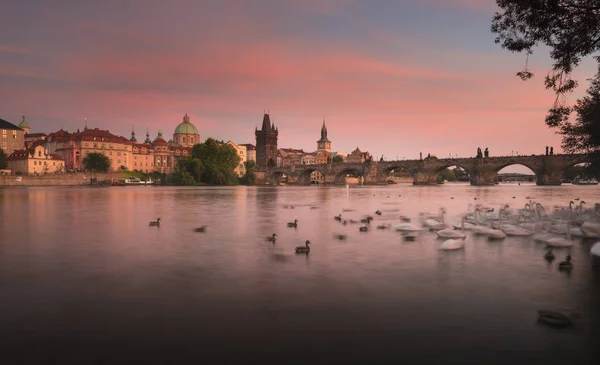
{"type": "Point", "coordinates": [324, 144]}
{"type": "Point", "coordinates": [266, 143]}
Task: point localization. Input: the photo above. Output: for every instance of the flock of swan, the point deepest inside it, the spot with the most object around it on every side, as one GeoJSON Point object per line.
{"type": "Point", "coordinates": [555, 228]}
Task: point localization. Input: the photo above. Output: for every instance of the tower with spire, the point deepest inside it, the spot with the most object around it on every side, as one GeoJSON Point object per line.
{"type": "Point", "coordinates": [24, 125]}
{"type": "Point", "coordinates": [133, 139]}
{"type": "Point", "coordinates": [323, 144]}
{"type": "Point", "coordinates": [266, 143]}
{"type": "Point", "coordinates": [148, 141]}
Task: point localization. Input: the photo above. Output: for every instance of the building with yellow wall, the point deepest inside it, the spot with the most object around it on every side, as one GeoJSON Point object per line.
{"type": "Point", "coordinates": [35, 160]}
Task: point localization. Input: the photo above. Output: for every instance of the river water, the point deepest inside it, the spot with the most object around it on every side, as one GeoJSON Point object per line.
{"type": "Point", "coordinates": [85, 280]}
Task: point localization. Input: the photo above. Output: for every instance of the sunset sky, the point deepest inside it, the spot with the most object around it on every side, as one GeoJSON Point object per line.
{"type": "Point", "coordinates": [394, 77]}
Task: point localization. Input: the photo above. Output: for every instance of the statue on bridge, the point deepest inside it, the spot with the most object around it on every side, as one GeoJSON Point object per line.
{"type": "Point", "coordinates": [546, 150]}
{"type": "Point", "coordinates": [479, 155]}
{"type": "Point", "coordinates": [420, 155]}
{"type": "Point", "coordinates": [551, 151]}
{"type": "Point", "coordinates": [487, 153]}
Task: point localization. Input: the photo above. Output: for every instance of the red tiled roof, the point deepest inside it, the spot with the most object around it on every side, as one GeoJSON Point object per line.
{"type": "Point", "coordinates": [160, 142]}
{"type": "Point", "coordinates": [249, 146]}
{"type": "Point", "coordinates": [33, 135]}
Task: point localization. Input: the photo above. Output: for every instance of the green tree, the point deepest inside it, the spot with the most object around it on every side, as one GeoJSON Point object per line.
{"type": "Point", "coordinates": [571, 28]}
{"type": "Point", "coordinates": [271, 163]}
{"type": "Point", "coordinates": [96, 162]}
{"type": "Point", "coordinates": [3, 163]}
{"type": "Point", "coordinates": [338, 159]}
{"type": "Point", "coordinates": [250, 177]}
{"type": "Point", "coordinates": [211, 163]}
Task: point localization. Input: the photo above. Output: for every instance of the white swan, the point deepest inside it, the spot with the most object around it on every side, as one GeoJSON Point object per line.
{"type": "Point", "coordinates": [407, 227]}
{"type": "Point", "coordinates": [591, 229]}
{"type": "Point", "coordinates": [453, 244]}
{"type": "Point", "coordinates": [481, 230]}
{"type": "Point", "coordinates": [496, 234]}
{"type": "Point", "coordinates": [596, 249]}
{"type": "Point", "coordinates": [560, 242]}
{"type": "Point", "coordinates": [451, 233]}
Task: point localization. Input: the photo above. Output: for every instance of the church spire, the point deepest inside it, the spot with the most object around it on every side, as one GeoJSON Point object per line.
{"type": "Point", "coordinates": [266, 124]}
{"type": "Point", "coordinates": [85, 124]}
{"type": "Point", "coordinates": [147, 136]}
{"type": "Point", "coordinates": [133, 139]}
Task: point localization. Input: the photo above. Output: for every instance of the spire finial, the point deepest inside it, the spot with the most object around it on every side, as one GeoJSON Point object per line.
{"type": "Point", "coordinates": [85, 124]}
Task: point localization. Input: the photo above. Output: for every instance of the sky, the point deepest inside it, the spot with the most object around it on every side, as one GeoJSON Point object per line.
{"type": "Point", "coordinates": [392, 77]}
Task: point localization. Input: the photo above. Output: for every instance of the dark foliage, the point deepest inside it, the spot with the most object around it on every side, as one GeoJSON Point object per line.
{"type": "Point", "coordinates": [3, 163]}
{"type": "Point", "coordinates": [96, 162]}
{"type": "Point", "coordinates": [571, 28]}
{"type": "Point", "coordinates": [211, 163]}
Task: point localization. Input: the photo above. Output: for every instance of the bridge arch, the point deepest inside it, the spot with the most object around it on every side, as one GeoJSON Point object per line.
{"type": "Point", "coordinates": [467, 172]}
{"type": "Point", "coordinates": [305, 176]}
{"type": "Point", "coordinates": [275, 177]}
{"type": "Point", "coordinates": [340, 177]}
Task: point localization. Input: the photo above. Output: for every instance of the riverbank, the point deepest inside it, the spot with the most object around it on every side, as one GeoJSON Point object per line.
{"type": "Point", "coordinates": [58, 179]}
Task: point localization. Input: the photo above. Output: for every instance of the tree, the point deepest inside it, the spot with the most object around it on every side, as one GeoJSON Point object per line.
{"type": "Point", "coordinates": [271, 163]}
{"type": "Point", "coordinates": [571, 28]}
{"type": "Point", "coordinates": [338, 159]}
{"type": "Point", "coordinates": [249, 177]}
{"type": "Point", "coordinates": [211, 163]}
{"type": "Point", "coordinates": [3, 163]}
{"type": "Point", "coordinates": [96, 162]}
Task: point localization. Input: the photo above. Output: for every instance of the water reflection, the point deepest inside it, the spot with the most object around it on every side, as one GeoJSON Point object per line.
{"type": "Point", "coordinates": [80, 260]}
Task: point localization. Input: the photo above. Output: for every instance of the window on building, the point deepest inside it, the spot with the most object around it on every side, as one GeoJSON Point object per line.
{"type": "Point", "coordinates": [118, 153]}
{"type": "Point", "coordinates": [95, 145]}
{"type": "Point", "coordinates": [14, 134]}
{"type": "Point", "coordinates": [103, 145]}
{"type": "Point", "coordinates": [4, 133]}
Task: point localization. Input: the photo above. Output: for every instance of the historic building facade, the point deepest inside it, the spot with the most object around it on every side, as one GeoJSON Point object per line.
{"type": "Point", "coordinates": [12, 138]}
{"type": "Point", "coordinates": [35, 160]}
{"type": "Point", "coordinates": [266, 143]}
{"type": "Point", "coordinates": [241, 151]}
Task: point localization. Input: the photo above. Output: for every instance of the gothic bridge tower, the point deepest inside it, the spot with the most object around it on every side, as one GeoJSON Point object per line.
{"type": "Point", "coordinates": [266, 143]}
{"type": "Point", "coordinates": [324, 144]}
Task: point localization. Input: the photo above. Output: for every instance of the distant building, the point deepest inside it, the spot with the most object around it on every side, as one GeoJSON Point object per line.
{"type": "Point", "coordinates": [250, 151]}
{"type": "Point", "coordinates": [308, 159]}
{"type": "Point", "coordinates": [266, 143]}
{"type": "Point", "coordinates": [291, 156]}
{"type": "Point", "coordinates": [35, 160]}
{"type": "Point", "coordinates": [12, 138]}
{"type": "Point", "coordinates": [31, 138]}
{"type": "Point", "coordinates": [240, 170]}
{"type": "Point", "coordinates": [357, 156]}
{"type": "Point", "coordinates": [186, 134]}
{"type": "Point", "coordinates": [24, 125]}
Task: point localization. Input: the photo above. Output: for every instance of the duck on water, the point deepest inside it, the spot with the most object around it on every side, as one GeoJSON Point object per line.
{"type": "Point", "coordinates": [303, 249]}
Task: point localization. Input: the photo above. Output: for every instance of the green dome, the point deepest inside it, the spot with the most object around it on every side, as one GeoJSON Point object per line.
{"type": "Point", "coordinates": [186, 127]}
{"type": "Point", "coordinates": [24, 124]}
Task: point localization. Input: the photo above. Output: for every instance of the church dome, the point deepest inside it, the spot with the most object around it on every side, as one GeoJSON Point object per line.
{"type": "Point", "coordinates": [24, 124]}
{"type": "Point", "coordinates": [186, 127]}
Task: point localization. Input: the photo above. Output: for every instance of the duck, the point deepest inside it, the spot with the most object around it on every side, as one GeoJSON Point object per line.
{"type": "Point", "coordinates": [200, 229]}
{"type": "Point", "coordinates": [383, 226]}
{"type": "Point", "coordinates": [155, 223]}
{"type": "Point", "coordinates": [549, 256]}
{"type": "Point", "coordinates": [367, 220]}
{"type": "Point", "coordinates": [293, 224]}
{"type": "Point", "coordinates": [364, 229]}
{"type": "Point", "coordinates": [272, 238]}
{"type": "Point", "coordinates": [378, 212]}
{"type": "Point", "coordinates": [340, 237]}
{"type": "Point", "coordinates": [566, 265]}
{"type": "Point", "coordinates": [555, 319]}
{"type": "Point", "coordinates": [338, 218]}
{"type": "Point", "coordinates": [303, 249]}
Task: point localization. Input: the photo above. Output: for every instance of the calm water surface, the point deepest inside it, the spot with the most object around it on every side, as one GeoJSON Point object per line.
{"type": "Point", "coordinates": [85, 280]}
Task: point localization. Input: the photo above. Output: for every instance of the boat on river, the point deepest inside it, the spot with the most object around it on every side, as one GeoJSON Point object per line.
{"type": "Point", "coordinates": [137, 181]}
{"type": "Point", "coordinates": [583, 181]}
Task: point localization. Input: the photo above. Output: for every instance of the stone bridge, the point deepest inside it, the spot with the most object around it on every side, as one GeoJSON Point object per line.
{"type": "Point", "coordinates": [482, 171]}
